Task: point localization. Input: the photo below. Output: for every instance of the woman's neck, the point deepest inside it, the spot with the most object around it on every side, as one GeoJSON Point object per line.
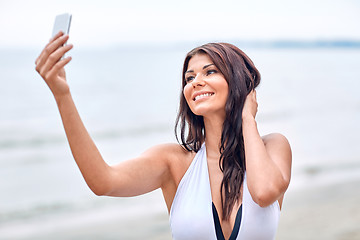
{"type": "Point", "coordinates": [213, 131]}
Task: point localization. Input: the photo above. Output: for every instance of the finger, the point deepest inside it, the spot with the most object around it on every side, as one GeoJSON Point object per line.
{"type": "Point", "coordinates": [55, 44]}
{"type": "Point", "coordinates": [56, 36]}
{"type": "Point", "coordinates": [251, 94]}
{"type": "Point", "coordinates": [54, 58]}
{"type": "Point", "coordinates": [59, 34]}
{"type": "Point", "coordinates": [57, 41]}
{"type": "Point", "coordinates": [50, 48]}
{"type": "Point", "coordinates": [59, 65]}
{"type": "Point", "coordinates": [45, 64]}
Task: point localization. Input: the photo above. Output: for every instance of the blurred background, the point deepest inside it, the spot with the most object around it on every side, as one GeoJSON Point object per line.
{"type": "Point", "coordinates": [125, 79]}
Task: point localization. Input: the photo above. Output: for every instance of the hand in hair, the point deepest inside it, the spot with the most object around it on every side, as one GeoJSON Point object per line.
{"type": "Point", "coordinates": [250, 106]}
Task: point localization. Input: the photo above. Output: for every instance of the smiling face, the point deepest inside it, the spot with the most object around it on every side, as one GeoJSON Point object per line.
{"type": "Point", "coordinates": [206, 89]}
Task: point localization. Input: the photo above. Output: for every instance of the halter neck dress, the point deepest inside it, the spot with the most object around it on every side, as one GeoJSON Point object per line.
{"type": "Point", "coordinates": [192, 213]}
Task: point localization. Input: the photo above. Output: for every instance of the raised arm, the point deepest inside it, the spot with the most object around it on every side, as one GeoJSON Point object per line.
{"type": "Point", "coordinates": [268, 159]}
{"type": "Point", "coordinates": [134, 177]}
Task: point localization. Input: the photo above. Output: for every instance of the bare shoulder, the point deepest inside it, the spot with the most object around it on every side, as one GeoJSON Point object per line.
{"type": "Point", "coordinates": [171, 153]}
{"type": "Point", "coordinates": [276, 140]}
{"type": "Point", "coordinates": [177, 159]}
{"type": "Point", "coordinates": [167, 150]}
{"type": "Point", "coordinates": [278, 148]}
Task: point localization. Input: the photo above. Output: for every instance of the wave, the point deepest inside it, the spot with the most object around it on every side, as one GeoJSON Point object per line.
{"type": "Point", "coordinates": [102, 134]}
{"type": "Point", "coordinates": [27, 213]}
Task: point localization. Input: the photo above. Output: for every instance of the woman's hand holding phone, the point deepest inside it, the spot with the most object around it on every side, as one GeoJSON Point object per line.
{"type": "Point", "coordinates": [50, 64]}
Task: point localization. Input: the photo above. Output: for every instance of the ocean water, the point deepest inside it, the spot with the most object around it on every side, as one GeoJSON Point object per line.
{"type": "Point", "coordinates": [128, 99]}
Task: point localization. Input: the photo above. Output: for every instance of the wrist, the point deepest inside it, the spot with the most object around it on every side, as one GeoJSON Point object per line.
{"type": "Point", "coordinates": [248, 118]}
{"type": "Point", "coordinates": [59, 98]}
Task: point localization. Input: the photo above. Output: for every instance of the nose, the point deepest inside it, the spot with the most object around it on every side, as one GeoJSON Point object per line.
{"type": "Point", "coordinates": [198, 81]}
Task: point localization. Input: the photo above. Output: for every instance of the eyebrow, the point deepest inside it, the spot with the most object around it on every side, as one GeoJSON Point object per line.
{"type": "Point", "coordinates": [206, 66]}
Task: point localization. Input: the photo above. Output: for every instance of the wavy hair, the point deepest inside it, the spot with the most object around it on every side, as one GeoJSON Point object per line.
{"type": "Point", "coordinates": [242, 77]}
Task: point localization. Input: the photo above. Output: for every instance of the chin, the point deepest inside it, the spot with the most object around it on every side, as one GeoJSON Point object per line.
{"type": "Point", "coordinates": [200, 110]}
{"type": "Point", "coordinates": [208, 112]}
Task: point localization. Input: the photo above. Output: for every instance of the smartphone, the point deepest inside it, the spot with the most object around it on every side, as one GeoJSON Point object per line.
{"type": "Point", "coordinates": [62, 23]}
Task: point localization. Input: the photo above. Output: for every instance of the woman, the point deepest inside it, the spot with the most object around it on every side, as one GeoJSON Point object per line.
{"type": "Point", "coordinates": [224, 181]}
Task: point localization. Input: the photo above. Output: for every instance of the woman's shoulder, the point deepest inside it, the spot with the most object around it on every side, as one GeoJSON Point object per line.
{"type": "Point", "coordinates": [176, 157]}
{"type": "Point", "coordinates": [171, 152]}
{"type": "Point", "coordinates": [275, 138]}
{"type": "Point", "coordinates": [277, 144]}
{"type": "Point", "coordinates": [169, 148]}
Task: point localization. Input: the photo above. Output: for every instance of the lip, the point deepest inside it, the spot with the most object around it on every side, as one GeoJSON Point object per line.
{"type": "Point", "coordinates": [200, 93]}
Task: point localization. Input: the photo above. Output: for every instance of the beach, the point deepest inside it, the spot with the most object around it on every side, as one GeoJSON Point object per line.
{"type": "Point", "coordinates": [330, 212]}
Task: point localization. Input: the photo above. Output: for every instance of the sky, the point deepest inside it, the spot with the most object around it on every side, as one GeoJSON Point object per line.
{"type": "Point", "coordinates": [28, 23]}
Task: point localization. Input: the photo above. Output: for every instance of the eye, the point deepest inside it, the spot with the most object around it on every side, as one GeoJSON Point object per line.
{"type": "Point", "coordinates": [211, 72]}
{"type": "Point", "coordinates": [189, 79]}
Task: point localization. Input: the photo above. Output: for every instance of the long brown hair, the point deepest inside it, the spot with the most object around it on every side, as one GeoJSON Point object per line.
{"type": "Point", "coordinates": [242, 77]}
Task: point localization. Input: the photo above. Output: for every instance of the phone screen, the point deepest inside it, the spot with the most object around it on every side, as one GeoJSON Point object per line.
{"type": "Point", "coordinates": [62, 23]}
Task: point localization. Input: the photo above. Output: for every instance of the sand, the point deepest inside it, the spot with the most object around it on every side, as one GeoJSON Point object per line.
{"type": "Point", "coordinates": [329, 212]}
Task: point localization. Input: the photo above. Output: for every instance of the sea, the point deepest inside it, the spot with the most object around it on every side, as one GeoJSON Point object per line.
{"type": "Point", "coordinates": [128, 97]}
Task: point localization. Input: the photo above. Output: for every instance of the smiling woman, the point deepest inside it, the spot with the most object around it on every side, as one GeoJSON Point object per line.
{"type": "Point", "coordinates": [247, 176]}
{"type": "Point", "coordinates": [223, 180]}
{"type": "Point", "coordinates": [224, 107]}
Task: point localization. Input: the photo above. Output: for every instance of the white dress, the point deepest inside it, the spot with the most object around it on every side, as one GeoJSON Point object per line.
{"type": "Point", "coordinates": [191, 215]}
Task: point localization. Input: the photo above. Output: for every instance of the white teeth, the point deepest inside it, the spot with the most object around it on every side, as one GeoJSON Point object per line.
{"type": "Point", "coordinates": [203, 95]}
